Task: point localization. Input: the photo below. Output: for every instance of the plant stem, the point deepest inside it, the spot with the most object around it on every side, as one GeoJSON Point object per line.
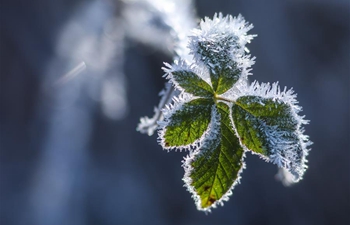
{"type": "Point", "coordinates": [224, 99]}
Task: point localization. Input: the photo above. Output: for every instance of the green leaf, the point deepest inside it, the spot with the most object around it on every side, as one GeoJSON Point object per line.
{"type": "Point", "coordinates": [216, 166]}
{"type": "Point", "coordinates": [192, 83]}
{"type": "Point", "coordinates": [259, 121]}
{"type": "Point", "coordinates": [187, 124]}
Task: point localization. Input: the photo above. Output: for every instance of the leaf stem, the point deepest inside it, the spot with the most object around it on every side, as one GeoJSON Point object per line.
{"type": "Point", "coordinates": [224, 99]}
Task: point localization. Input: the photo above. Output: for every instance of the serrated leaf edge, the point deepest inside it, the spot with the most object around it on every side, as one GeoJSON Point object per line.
{"type": "Point", "coordinates": [214, 127]}
{"type": "Point", "coordinates": [170, 109]}
{"type": "Point", "coordinates": [287, 96]}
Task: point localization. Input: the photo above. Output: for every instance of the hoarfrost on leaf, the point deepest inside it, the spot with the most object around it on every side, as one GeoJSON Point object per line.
{"type": "Point", "coordinates": [268, 124]}
{"type": "Point", "coordinates": [212, 170]}
{"type": "Point", "coordinates": [220, 45]}
{"type": "Point", "coordinates": [185, 124]}
{"type": "Point", "coordinates": [218, 116]}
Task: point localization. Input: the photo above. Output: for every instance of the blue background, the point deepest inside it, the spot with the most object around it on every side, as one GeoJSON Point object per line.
{"type": "Point", "coordinates": [63, 161]}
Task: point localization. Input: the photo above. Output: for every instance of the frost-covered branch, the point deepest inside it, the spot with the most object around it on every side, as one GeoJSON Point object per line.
{"type": "Point", "coordinates": [149, 125]}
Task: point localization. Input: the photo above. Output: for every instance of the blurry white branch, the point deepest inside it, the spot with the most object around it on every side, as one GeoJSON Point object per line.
{"type": "Point", "coordinates": [165, 25]}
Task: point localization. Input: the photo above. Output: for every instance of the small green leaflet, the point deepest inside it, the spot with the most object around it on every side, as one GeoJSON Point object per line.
{"type": "Point", "coordinates": [188, 124]}
{"type": "Point", "coordinates": [212, 171]}
{"type": "Point", "coordinates": [267, 126]}
{"type": "Point", "coordinates": [251, 114]}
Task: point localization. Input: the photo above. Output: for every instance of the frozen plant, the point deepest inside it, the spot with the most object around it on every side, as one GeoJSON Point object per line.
{"type": "Point", "coordinates": [218, 116]}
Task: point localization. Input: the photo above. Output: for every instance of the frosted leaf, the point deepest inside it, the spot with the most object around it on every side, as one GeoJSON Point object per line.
{"type": "Point", "coordinates": [212, 170]}
{"type": "Point", "coordinates": [219, 44]}
{"type": "Point", "coordinates": [268, 124]}
{"type": "Point", "coordinates": [185, 123]}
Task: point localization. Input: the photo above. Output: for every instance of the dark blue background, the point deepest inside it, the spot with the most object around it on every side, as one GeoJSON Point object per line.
{"type": "Point", "coordinates": [62, 161]}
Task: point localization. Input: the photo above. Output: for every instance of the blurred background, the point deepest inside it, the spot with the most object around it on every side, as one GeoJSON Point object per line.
{"type": "Point", "coordinates": [76, 76]}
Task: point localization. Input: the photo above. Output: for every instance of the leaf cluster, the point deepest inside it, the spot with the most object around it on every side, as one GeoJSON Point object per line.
{"type": "Point", "coordinates": [218, 127]}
